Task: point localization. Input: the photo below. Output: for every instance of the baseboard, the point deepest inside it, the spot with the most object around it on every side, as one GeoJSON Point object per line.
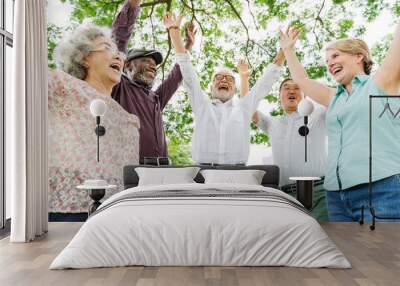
{"type": "Point", "coordinates": [69, 217]}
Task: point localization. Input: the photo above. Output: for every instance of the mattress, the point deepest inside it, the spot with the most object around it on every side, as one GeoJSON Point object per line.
{"type": "Point", "coordinates": [201, 225]}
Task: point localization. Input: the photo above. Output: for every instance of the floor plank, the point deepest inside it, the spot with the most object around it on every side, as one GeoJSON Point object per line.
{"type": "Point", "coordinates": [374, 255]}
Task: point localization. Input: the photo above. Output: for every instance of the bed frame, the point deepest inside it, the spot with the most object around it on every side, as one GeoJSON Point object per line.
{"type": "Point", "coordinates": [270, 179]}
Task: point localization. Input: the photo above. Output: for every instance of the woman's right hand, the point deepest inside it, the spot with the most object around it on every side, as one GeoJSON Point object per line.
{"type": "Point", "coordinates": [287, 39]}
{"type": "Point", "coordinates": [172, 21]}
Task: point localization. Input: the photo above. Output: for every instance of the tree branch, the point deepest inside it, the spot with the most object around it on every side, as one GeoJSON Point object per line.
{"type": "Point", "coordinates": [154, 3]}
{"type": "Point", "coordinates": [315, 24]}
{"type": "Point", "coordinates": [252, 16]}
{"type": "Point", "coordinates": [162, 66]}
{"type": "Point", "coordinates": [235, 11]}
{"type": "Point", "coordinates": [319, 19]}
{"type": "Point", "coordinates": [152, 26]}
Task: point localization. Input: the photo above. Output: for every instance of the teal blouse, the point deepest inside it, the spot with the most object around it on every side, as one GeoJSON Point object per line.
{"type": "Point", "coordinates": [347, 124]}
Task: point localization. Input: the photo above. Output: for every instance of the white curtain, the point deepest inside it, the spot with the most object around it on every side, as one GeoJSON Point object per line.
{"type": "Point", "coordinates": [26, 124]}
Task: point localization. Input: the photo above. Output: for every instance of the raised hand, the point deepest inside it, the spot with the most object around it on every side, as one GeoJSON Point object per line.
{"type": "Point", "coordinates": [190, 35]}
{"type": "Point", "coordinates": [279, 58]}
{"type": "Point", "coordinates": [255, 118]}
{"type": "Point", "coordinates": [288, 38]}
{"type": "Point", "coordinates": [172, 21]}
{"type": "Point", "coordinates": [244, 72]}
{"type": "Point", "coordinates": [134, 3]}
{"type": "Point", "coordinates": [243, 68]}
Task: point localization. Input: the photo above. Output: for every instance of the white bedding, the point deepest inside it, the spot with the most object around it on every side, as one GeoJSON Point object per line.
{"type": "Point", "coordinates": [200, 231]}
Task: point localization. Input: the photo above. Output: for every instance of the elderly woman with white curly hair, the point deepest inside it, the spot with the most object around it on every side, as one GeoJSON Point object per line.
{"type": "Point", "coordinates": [89, 65]}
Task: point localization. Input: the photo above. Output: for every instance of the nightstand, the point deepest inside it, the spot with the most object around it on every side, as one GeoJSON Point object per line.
{"type": "Point", "coordinates": [96, 193]}
{"type": "Point", "coordinates": [305, 190]}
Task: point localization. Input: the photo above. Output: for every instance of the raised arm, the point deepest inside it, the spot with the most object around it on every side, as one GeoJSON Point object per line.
{"type": "Point", "coordinates": [263, 84]}
{"type": "Point", "coordinates": [190, 78]}
{"type": "Point", "coordinates": [387, 77]}
{"type": "Point", "coordinates": [169, 85]}
{"type": "Point", "coordinates": [173, 24]}
{"type": "Point", "coordinates": [314, 89]}
{"type": "Point", "coordinates": [244, 73]}
{"type": "Point", "coordinates": [172, 82]}
{"type": "Point", "coordinates": [123, 24]}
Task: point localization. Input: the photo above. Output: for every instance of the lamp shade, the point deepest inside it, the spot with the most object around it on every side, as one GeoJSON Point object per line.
{"type": "Point", "coordinates": [305, 107]}
{"type": "Point", "coordinates": [98, 107]}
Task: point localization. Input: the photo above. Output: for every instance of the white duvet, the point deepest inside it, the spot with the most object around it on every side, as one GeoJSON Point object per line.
{"type": "Point", "coordinates": [200, 231]}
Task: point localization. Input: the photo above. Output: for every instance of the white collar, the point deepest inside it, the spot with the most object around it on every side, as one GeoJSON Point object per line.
{"type": "Point", "coordinates": [230, 102]}
{"type": "Point", "coordinates": [293, 115]}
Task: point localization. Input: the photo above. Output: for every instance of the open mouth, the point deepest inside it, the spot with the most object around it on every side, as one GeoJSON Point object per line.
{"type": "Point", "coordinates": [292, 97]}
{"type": "Point", "coordinates": [116, 67]}
{"type": "Point", "coordinates": [223, 87]}
{"type": "Point", "coordinates": [336, 69]}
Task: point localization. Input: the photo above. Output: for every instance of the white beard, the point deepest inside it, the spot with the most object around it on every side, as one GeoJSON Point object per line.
{"type": "Point", "coordinates": [223, 95]}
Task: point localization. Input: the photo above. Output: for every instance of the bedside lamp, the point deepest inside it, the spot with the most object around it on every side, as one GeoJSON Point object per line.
{"type": "Point", "coordinates": [305, 108]}
{"type": "Point", "coordinates": [98, 108]}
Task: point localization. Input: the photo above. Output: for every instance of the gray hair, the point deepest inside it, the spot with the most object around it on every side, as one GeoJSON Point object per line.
{"type": "Point", "coordinates": [75, 47]}
{"type": "Point", "coordinates": [221, 69]}
{"type": "Point", "coordinates": [226, 70]}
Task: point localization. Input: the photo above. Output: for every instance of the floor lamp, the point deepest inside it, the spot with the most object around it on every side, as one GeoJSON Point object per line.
{"type": "Point", "coordinates": [370, 205]}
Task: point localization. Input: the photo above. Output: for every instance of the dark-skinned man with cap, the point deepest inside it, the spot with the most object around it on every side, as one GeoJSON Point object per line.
{"type": "Point", "coordinates": [135, 94]}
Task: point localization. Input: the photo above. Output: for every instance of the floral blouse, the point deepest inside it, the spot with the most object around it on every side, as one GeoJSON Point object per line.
{"type": "Point", "coordinates": [73, 142]}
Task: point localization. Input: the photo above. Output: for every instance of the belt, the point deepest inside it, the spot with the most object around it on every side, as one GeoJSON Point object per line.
{"type": "Point", "coordinates": [155, 161]}
{"type": "Point", "coordinates": [222, 165]}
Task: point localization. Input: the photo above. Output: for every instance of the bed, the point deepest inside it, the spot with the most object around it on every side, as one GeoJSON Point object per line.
{"type": "Point", "coordinates": [197, 224]}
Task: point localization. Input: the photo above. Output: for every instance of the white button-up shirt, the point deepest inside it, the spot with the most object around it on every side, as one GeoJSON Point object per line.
{"type": "Point", "coordinates": [222, 130]}
{"type": "Point", "coordinates": [288, 145]}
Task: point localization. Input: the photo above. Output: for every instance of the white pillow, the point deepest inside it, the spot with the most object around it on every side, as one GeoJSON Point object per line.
{"type": "Point", "coordinates": [248, 177]}
{"type": "Point", "coordinates": [166, 176]}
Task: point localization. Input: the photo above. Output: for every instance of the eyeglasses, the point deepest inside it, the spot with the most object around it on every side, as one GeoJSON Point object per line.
{"type": "Point", "coordinates": [110, 49]}
{"type": "Point", "coordinates": [227, 77]}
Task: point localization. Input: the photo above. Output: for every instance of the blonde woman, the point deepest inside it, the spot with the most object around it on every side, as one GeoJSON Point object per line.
{"type": "Point", "coordinates": [349, 63]}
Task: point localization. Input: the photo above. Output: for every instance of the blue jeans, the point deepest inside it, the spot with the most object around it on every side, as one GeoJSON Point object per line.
{"type": "Point", "coordinates": [345, 205]}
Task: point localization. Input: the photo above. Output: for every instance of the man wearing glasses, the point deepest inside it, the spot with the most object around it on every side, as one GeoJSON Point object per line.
{"type": "Point", "coordinates": [222, 123]}
{"type": "Point", "coordinates": [135, 94]}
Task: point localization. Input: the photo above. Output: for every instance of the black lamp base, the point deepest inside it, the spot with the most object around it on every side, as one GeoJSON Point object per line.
{"type": "Point", "coordinates": [96, 195]}
{"type": "Point", "coordinates": [304, 194]}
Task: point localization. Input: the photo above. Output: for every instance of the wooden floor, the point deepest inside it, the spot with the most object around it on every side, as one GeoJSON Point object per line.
{"type": "Point", "coordinates": [374, 255]}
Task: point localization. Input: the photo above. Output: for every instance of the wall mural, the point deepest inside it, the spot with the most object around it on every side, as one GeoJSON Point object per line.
{"type": "Point", "coordinates": [122, 52]}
